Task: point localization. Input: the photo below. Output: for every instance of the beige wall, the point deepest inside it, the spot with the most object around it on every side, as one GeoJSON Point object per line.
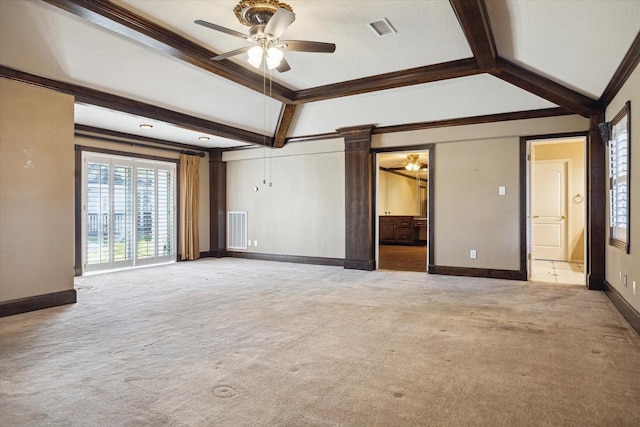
{"type": "Point", "coordinates": [575, 152]}
{"type": "Point", "coordinates": [468, 212]}
{"type": "Point", "coordinates": [398, 195]}
{"type": "Point", "coordinates": [470, 163]}
{"type": "Point", "coordinates": [617, 261]}
{"type": "Point", "coordinates": [203, 212]}
{"type": "Point", "coordinates": [303, 212]}
{"type": "Point", "coordinates": [36, 191]}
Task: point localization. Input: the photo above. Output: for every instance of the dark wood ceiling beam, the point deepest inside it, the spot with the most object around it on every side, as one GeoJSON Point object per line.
{"type": "Point", "coordinates": [472, 16]}
{"type": "Point", "coordinates": [118, 103]}
{"type": "Point", "coordinates": [126, 23]}
{"type": "Point", "coordinates": [413, 76]}
{"type": "Point", "coordinates": [286, 117]}
{"type": "Point", "coordinates": [626, 67]}
{"type": "Point", "coordinates": [546, 88]}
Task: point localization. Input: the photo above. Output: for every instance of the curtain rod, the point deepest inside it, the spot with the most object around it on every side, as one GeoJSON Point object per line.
{"type": "Point", "coordinates": [138, 144]}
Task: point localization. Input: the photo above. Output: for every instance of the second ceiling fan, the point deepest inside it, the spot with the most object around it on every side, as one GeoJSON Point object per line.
{"type": "Point", "coordinates": [268, 20]}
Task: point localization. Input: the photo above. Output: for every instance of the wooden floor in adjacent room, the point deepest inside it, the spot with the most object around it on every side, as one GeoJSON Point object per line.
{"type": "Point", "coordinates": [403, 258]}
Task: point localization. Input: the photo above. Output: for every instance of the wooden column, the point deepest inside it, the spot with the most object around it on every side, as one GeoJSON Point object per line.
{"type": "Point", "coordinates": [217, 204]}
{"type": "Point", "coordinates": [359, 197]}
{"type": "Point", "coordinates": [596, 205]}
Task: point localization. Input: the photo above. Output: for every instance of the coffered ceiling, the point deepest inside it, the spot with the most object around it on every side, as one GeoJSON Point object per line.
{"type": "Point", "coordinates": [134, 61]}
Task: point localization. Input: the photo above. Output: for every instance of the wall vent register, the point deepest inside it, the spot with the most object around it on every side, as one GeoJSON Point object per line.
{"type": "Point", "coordinates": [236, 230]}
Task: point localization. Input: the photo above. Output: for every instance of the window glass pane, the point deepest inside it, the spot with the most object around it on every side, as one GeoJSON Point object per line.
{"type": "Point", "coordinates": [146, 201]}
{"type": "Point", "coordinates": [97, 219]}
{"type": "Point", "coordinates": [122, 213]}
{"type": "Point", "coordinates": [619, 180]}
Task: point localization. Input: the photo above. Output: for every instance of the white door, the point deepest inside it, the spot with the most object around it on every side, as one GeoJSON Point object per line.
{"type": "Point", "coordinates": [549, 206]}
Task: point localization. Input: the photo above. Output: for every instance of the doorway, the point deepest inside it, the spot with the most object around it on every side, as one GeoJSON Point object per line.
{"type": "Point", "coordinates": [557, 210]}
{"type": "Point", "coordinates": [402, 210]}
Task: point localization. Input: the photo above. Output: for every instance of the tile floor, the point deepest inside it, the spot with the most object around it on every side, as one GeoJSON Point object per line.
{"type": "Point", "coordinates": [558, 272]}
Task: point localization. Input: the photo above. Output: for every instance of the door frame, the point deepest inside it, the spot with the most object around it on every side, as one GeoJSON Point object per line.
{"type": "Point", "coordinates": [78, 190]}
{"type": "Point", "coordinates": [430, 149]}
{"type": "Point", "coordinates": [526, 162]}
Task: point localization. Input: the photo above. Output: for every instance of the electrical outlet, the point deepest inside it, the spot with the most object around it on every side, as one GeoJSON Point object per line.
{"type": "Point", "coordinates": [473, 254]}
{"type": "Point", "coordinates": [634, 287]}
{"type": "Point", "coordinates": [255, 243]}
{"type": "Point", "coordinates": [249, 244]}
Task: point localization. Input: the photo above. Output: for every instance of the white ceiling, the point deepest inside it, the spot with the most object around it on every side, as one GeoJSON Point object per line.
{"type": "Point", "coordinates": [576, 43]}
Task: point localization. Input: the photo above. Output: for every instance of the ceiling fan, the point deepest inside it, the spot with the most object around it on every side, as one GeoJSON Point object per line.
{"type": "Point", "coordinates": [412, 164]}
{"type": "Point", "coordinates": [268, 20]}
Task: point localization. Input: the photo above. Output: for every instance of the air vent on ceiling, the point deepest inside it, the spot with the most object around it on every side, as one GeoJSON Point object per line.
{"type": "Point", "coordinates": [382, 27]}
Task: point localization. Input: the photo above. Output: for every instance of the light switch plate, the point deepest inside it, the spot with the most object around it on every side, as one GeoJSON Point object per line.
{"type": "Point", "coordinates": [502, 190]}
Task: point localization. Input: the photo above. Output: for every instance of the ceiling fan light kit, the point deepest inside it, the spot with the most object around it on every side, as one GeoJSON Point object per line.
{"type": "Point", "coordinates": [268, 20]}
{"type": "Point", "coordinates": [412, 164]}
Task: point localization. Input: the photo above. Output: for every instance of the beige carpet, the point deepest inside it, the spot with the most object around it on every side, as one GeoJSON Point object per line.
{"type": "Point", "coordinates": [234, 342]}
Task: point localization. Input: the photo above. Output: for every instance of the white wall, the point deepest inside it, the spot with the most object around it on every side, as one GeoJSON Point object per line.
{"type": "Point", "coordinates": [302, 212]}
{"type": "Point", "coordinates": [617, 261]}
{"type": "Point", "coordinates": [398, 195]}
{"type": "Point", "coordinates": [36, 191]}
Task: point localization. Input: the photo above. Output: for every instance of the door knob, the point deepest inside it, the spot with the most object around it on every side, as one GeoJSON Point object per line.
{"type": "Point", "coordinates": [536, 216]}
{"type": "Point", "coordinates": [562, 217]}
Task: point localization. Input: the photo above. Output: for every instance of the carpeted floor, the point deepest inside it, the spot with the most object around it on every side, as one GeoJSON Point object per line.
{"type": "Point", "coordinates": [235, 342]}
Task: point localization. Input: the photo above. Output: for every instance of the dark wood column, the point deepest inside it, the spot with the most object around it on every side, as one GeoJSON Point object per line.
{"type": "Point", "coordinates": [359, 198]}
{"type": "Point", "coordinates": [596, 204]}
{"type": "Point", "coordinates": [217, 203]}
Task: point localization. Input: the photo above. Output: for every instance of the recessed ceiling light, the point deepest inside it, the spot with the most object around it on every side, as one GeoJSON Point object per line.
{"type": "Point", "coordinates": [146, 126]}
{"type": "Point", "coordinates": [204, 138]}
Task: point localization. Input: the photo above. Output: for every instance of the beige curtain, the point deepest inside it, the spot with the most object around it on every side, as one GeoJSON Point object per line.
{"type": "Point", "coordinates": [189, 183]}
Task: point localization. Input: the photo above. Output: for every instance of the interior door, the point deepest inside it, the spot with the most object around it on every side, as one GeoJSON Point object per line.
{"type": "Point", "coordinates": [549, 206]}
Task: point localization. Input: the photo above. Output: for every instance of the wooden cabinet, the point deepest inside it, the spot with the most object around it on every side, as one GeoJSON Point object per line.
{"type": "Point", "coordinates": [396, 229]}
{"type": "Point", "coordinates": [387, 229]}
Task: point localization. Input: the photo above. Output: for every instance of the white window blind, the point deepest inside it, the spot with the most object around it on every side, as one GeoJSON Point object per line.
{"type": "Point", "coordinates": [129, 212]}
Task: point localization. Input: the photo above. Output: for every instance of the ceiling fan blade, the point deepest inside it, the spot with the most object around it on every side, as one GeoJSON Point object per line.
{"type": "Point", "coordinates": [308, 46]}
{"type": "Point", "coordinates": [221, 29]}
{"type": "Point", "coordinates": [231, 53]}
{"type": "Point", "coordinates": [284, 66]}
{"type": "Point", "coordinates": [279, 22]}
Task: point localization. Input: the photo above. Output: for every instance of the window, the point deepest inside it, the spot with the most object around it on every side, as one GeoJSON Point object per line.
{"type": "Point", "coordinates": [128, 212]}
{"type": "Point", "coordinates": [619, 193]}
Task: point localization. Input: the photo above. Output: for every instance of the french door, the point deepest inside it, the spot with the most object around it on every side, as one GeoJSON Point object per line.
{"type": "Point", "coordinates": [129, 210]}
